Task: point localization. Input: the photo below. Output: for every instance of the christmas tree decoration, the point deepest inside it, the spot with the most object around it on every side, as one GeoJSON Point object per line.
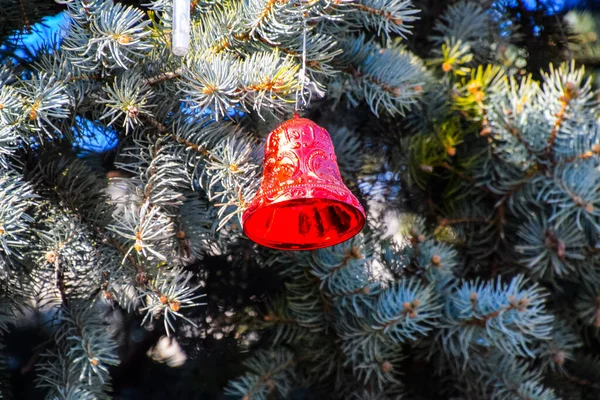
{"type": "Point", "coordinates": [302, 203]}
{"type": "Point", "coordinates": [181, 27]}
{"type": "Point", "coordinates": [126, 172]}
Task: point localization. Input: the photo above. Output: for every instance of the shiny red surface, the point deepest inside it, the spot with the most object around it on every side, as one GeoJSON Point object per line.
{"type": "Point", "coordinates": [304, 224]}
{"type": "Point", "coordinates": [302, 203]}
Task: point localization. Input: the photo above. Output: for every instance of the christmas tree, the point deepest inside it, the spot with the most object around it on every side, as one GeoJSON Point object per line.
{"type": "Point", "coordinates": [126, 273]}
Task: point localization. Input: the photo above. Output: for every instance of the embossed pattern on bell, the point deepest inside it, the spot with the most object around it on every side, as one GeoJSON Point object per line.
{"type": "Point", "coordinates": [302, 202]}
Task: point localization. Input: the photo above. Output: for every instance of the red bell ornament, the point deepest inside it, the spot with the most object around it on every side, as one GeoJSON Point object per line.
{"type": "Point", "coordinates": [302, 203]}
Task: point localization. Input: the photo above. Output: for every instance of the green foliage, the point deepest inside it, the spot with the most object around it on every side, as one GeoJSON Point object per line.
{"type": "Point", "coordinates": [270, 372]}
{"type": "Point", "coordinates": [85, 350]}
{"type": "Point", "coordinates": [483, 272]}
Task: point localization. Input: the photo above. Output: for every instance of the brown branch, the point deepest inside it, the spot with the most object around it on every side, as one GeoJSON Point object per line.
{"type": "Point", "coordinates": [85, 8]}
{"type": "Point", "coordinates": [267, 377]}
{"type": "Point", "coordinates": [501, 219]}
{"type": "Point", "coordinates": [278, 320]}
{"type": "Point", "coordinates": [151, 173]}
{"type": "Point", "coordinates": [374, 11]}
{"type": "Point", "coordinates": [414, 241]}
{"type": "Point", "coordinates": [26, 20]}
{"type": "Point", "coordinates": [560, 117]}
{"type": "Point", "coordinates": [482, 322]}
{"type": "Point", "coordinates": [153, 80]}
{"type": "Point", "coordinates": [83, 77]}
{"type": "Point", "coordinates": [164, 76]}
{"type": "Point", "coordinates": [514, 304]}
{"type": "Point", "coordinates": [361, 290]}
{"type": "Point", "coordinates": [446, 222]}
{"type": "Point", "coordinates": [28, 367]}
{"type": "Point", "coordinates": [511, 129]}
{"type": "Point", "coordinates": [116, 244]}
{"type": "Point", "coordinates": [592, 250]}
{"type": "Point", "coordinates": [161, 128]}
{"type": "Point", "coordinates": [353, 254]}
{"type": "Point", "coordinates": [267, 10]}
{"type": "Point", "coordinates": [579, 202]}
{"type": "Point", "coordinates": [515, 132]}
{"type": "Point", "coordinates": [597, 313]}
{"type": "Point", "coordinates": [584, 156]}
{"type": "Point", "coordinates": [371, 10]}
{"type": "Point", "coordinates": [530, 174]}
{"type": "Point", "coordinates": [322, 293]}
{"type": "Point", "coordinates": [394, 90]}
{"type": "Point", "coordinates": [409, 308]}
{"type": "Point", "coordinates": [246, 35]}
{"type": "Point", "coordinates": [580, 381]}
{"type": "Point", "coordinates": [59, 280]}
{"type": "Point", "coordinates": [460, 174]}
{"type": "Point", "coordinates": [197, 148]}
{"type": "Point", "coordinates": [571, 91]}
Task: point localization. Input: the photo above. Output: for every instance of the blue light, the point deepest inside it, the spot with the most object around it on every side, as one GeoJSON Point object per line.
{"type": "Point", "coordinates": [551, 6]}
{"type": "Point", "coordinates": [194, 114]}
{"type": "Point", "coordinates": [92, 137]}
{"type": "Point", "coordinates": [47, 31]}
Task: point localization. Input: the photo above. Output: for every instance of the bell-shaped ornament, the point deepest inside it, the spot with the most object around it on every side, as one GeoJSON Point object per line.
{"type": "Point", "coordinates": [302, 203]}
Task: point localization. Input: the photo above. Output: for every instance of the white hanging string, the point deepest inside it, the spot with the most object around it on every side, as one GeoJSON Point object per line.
{"type": "Point", "coordinates": [181, 27]}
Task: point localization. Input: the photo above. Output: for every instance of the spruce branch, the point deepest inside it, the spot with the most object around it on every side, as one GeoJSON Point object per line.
{"type": "Point", "coordinates": [167, 295]}
{"type": "Point", "coordinates": [405, 310]}
{"type": "Point", "coordinates": [508, 316]}
{"type": "Point", "coordinates": [387, 17]}
{"type": "Point", "coordinates": [164, 76]}
{"type": "Point", "coordinates": [270, 374]}
{"type": "Point", "coordinates": [79, 365]}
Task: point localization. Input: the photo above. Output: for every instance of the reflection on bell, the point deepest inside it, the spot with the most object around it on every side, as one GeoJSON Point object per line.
{"type": "Point", "coordinates": [302, 203]}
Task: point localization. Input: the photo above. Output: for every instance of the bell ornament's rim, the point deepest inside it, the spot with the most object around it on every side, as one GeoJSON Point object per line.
{"type": "Point", "coordinates": [278, 195]}
{"type": "Point", "coordinates": [358, 212]}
